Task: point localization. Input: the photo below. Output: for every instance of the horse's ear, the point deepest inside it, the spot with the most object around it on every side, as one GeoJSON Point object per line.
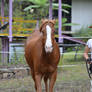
{"type": "Point", "coordinates": [53, 21]}
{"type": "Point", "coordinates": [42, 20]}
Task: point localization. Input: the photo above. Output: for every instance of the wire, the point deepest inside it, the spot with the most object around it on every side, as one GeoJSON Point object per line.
{"type": "Point", "coordinates": [75, 37]}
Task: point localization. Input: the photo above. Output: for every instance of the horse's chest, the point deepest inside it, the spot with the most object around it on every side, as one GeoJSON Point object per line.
{"type": "Point", "coordinates": [46, 68]}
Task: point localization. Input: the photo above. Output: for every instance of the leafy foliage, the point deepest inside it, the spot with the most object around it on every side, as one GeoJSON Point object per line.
{"type": "Point", "coordinates": [84, 32]}
{"type": "Point", "coordinates": [37, 6]}
{"type": "Point", "coordinates": [69, 24]}
{"type": "Point", "coordinates": [55, 6]}
{"type": "Point", "coordinates": [38, 2]}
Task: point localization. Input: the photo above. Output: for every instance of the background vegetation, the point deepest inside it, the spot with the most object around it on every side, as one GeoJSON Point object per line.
{"type": "Point", "coordinates": [85, 32]}
{"type": "Point", "coordinates": [37, 9]}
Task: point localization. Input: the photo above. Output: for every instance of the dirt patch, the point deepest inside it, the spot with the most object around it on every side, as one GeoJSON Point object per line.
{"type": "Point", "coordinates": [14, 72]}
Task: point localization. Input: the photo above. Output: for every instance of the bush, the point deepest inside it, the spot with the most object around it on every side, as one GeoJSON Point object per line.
{"type": "Point", "coordinates": [83, 32]}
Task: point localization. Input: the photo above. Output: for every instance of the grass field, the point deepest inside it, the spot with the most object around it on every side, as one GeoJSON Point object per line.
{"type": "Point", "coordinates": [69, 71]}
{"type": "Point", "coordinates": [71, 77]}
{"type": "Point", "coordinates": [73, 69]}
{"type": "Point", "coordinates": [68, 58]}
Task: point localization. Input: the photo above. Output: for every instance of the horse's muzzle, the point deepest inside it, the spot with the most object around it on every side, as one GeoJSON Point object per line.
{"type": "Point", "coordinates": [48, 49]}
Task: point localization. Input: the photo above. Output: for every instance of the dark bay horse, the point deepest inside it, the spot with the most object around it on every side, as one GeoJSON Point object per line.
{"type": "Point", "coordinates": [42, 55]}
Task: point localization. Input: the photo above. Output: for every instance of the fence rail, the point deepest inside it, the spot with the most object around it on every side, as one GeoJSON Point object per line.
{"type": "Point", "coordinates": [20, 27]}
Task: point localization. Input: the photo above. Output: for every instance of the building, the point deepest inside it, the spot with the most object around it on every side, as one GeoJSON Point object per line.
{"type": "Point", "coordinates": [81, 13]}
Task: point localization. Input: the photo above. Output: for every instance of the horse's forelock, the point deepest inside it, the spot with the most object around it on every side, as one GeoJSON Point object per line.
{"type": "Point", "coordinates": [46, 22]}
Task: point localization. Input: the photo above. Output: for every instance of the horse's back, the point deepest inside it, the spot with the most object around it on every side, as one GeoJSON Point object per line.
{"type": "Point", "coordinates": [33, 36]}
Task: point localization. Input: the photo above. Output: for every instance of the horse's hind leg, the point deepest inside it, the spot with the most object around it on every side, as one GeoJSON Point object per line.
{"type": "Point", "coordinates": [52, 81]}
{"type": "Point", "coordinates": [46, 83]}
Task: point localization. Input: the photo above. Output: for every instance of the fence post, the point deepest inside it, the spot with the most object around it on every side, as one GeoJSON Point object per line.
{"type": "Point", "coordinates": [60, 21]}
{"type": "Point", "coordinates": [37, 24]}
{"type": "Point", "coordinates": [10, 20]}
{"type": "Point", "coordinates": [50, 9]}
{"type": "Point", "coordinates": [2, 11]}
{"type": "Point", "coordinates": [60, 40]}
{"type": "Point", "coordinates": [5, 50]}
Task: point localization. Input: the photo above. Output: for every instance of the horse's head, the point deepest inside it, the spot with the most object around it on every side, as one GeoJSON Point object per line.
{"type": "Point", "coordinates": [47, 29]}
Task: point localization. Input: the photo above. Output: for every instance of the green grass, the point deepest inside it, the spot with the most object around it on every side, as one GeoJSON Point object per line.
{"type": "Point", "coordinates": [68, 74]}
{"type": "Point", "coordinates": [69, 58]}
{"type": "Point", "coordinates": [65, 74]}
{"type": "Point", "coordinates": [72, 73]}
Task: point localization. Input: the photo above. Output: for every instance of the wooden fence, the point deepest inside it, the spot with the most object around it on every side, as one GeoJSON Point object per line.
{"type": "Point", "coordinates": [20, 27]}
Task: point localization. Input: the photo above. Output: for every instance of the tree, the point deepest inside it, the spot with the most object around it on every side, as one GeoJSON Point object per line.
{"type": "Point", "coordinates": [44, 3]}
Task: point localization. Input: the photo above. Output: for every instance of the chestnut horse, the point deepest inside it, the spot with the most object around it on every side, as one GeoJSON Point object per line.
{"type": "Point", "coordinates": [42, 55]}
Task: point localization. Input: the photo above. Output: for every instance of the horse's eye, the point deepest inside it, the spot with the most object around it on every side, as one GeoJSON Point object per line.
{"type": "Point", "coordinates": [53, 30]}
{"type": "Point", "coordinates": [42, 30]}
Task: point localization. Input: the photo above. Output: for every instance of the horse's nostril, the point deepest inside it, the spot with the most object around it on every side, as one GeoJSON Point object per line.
{"type": "Point", "coordinates": [51, 46]}
{"type": "Point", "coordinates": [48, 49]}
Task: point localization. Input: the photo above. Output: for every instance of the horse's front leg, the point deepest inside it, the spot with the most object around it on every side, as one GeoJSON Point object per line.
{"type": "Point", "coordinates": [38, 82]}
{"type": "Point", "coordinates": [46, 83]}
{"type": "Point", "coordinates": [52, 81]}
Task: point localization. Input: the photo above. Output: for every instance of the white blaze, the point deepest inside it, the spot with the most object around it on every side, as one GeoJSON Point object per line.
{"type": "Point", "coordinates": [48, 44]}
